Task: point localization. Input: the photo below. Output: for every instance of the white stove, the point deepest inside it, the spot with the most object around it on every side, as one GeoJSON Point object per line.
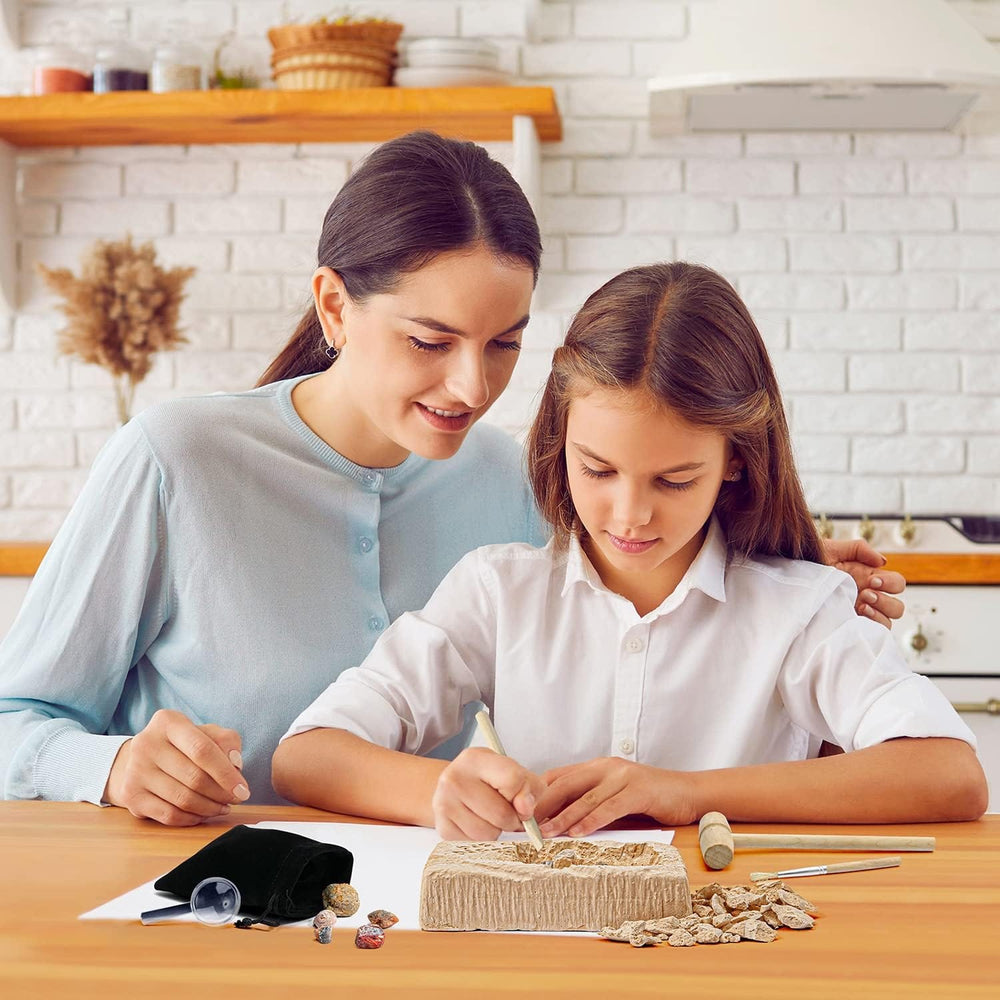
{"type": "Point", "coordinates": [948, 630]}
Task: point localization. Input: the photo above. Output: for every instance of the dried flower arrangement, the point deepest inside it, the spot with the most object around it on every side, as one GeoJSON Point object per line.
{"type": "Point", "coordinates": [120, 311]}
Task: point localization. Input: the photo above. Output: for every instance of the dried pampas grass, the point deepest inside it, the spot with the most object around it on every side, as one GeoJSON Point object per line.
{"type": "Point", "coordinates": [121, 310]}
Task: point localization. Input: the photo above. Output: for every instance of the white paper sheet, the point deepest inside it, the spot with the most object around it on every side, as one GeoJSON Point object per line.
{"type": "Point", "coordinates": [388, 865]}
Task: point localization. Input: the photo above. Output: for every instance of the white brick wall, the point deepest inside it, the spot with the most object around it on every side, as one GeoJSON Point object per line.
{"type": "Point", "coordinates": [870, 261]}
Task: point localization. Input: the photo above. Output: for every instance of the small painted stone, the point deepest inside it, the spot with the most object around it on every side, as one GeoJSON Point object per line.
{"type": "Point", "coordinates": [342, 898]}
{"type": "Point", "coordinates": [369, 936]}
{"type": "Point", "coordinates": [325, 918]}
{"type": "Point", "coordinates": [382, 918]}
{"type": "Point", "coordinates": [323, 934]}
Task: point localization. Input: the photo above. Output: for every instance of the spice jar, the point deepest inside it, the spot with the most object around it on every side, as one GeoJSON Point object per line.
{"type": "Point", "coordinates": [176, 67]}
{"type": "Point", "coordinates": [59, 69]}
{"type": "Point", "coordinates": [120, 67]}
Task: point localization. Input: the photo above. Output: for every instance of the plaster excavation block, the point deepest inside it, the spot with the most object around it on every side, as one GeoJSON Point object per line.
{"type": "Point", "coordinates": [569, 885]}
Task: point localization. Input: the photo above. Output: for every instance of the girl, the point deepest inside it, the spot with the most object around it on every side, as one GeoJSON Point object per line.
{"type": "Point", "coordinates": [220, 538]}
{"type": "Point", "coordinates": [678, 646]}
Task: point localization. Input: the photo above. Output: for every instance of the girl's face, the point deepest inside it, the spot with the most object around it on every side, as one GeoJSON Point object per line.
{"type": "Point", "coordinates": [420, 365]}
{"type": "Point", "coordinates": [644, 482]}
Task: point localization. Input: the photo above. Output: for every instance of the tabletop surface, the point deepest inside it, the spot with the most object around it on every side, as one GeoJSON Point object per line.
{"type": "Point", "coordinates": [929, 928]}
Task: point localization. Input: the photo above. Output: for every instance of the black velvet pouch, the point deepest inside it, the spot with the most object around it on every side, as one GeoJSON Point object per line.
{"type": "Point", "coordinates": [280, 875]}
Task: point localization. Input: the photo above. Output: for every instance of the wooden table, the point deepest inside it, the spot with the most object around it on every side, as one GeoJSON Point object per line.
{"type": "Point", "coordinates": [928, 929]}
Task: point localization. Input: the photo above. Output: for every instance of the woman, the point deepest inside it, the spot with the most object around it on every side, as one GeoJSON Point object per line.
{"type": "Point", "coordinates": [231, 554]}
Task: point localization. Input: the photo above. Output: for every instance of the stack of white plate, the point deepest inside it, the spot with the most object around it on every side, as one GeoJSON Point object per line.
{"type": "Point", "coordinates": [449, 62]}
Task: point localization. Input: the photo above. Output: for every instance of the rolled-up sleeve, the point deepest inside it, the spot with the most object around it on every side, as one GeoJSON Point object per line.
{"type": "Point", "coordinates": [94, 606]}
{"type": "Point", "coordinates": [410, 691]}
{"type": "Point", "coordinates": [845, 680]}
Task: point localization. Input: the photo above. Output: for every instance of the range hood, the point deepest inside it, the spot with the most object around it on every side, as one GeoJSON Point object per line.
{"type": "Point", "coordinates": [822, 64]}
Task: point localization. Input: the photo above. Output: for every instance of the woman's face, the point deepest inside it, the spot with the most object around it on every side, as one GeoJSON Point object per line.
{"type": "Point", "coordinates": [421, 364]}
{"type": "Point", "coordinates": [644, 482]}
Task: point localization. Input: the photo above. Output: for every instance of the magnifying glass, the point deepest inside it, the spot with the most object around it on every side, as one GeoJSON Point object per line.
{"type": "Point", "coordinates": [214, 901]}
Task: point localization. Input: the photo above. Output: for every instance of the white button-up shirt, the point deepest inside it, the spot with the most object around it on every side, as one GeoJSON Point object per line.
{"type": "Point", "coordinates": [748, 661]}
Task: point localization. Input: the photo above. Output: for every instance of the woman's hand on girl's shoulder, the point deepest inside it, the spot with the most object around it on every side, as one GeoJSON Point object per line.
{"type": "Point", "coordinates": [481, 793]}
{"type": "Point", "coordinates": [875, 585]}
{"type": "Point", "coordinates": [582, 798]}
{"type": "Point", "coordinates": [177, 773]}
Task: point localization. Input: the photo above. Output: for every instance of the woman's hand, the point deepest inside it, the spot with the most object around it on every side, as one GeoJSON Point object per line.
{"type": "Point", "coordinates": [481, 793]}
{"type": "Point", "coordinates": [178, 773]}
{"type": "Point", "coordinates": [875, 586]}
{"type": "Point", "coordinates": [582, 798]}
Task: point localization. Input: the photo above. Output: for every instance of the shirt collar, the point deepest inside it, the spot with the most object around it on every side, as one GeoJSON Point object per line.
{"type": "Point", "coordinates": [706, 573]}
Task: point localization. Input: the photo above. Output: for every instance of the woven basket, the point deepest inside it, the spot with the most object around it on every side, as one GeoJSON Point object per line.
{"type": "Point", "coordinates": [326, 67]}
{"type": "Point", "coordinates": [375, 55]}
{"type": "Point", "coordinates": [321, 78]}
{"type": "Point", "coordinates": [384, 33]}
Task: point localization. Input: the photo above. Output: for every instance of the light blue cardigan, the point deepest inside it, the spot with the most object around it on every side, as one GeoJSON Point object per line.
{"type": "Point", "coordinates": [222, 560]}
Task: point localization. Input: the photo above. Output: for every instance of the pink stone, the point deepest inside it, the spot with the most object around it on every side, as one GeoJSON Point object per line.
{"type": "Point", "coordinates": [369, 936]}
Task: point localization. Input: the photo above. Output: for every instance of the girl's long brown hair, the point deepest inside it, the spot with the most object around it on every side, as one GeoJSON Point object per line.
{"type": "Point", "coordinates": [680, 333]}
{"type": "Point", "coordinates": [411, 199]}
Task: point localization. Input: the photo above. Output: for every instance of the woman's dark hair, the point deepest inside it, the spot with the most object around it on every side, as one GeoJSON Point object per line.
{"type": "Point", "coordinates": [681, 334]}
{"type": "Point", "coordinates": [411, 199]}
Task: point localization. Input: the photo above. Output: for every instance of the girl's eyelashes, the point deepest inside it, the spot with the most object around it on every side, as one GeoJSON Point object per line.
{"type": "Point", "coordinates": [427, 345]}
{"type": "Point", "coordinates": [604, 473]}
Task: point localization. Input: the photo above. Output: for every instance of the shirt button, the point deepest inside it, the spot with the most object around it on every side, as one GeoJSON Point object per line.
{"type": "Point", "coordinates": [376, 624]}
{"type": "Point", "coordinates": [634, 645]}
{"type": "Point", "coordinates": [369, 478]}
{"type": "Point", "coordinates": [365, 544]}
{"type": "Point", "coordinates": [626, 746]}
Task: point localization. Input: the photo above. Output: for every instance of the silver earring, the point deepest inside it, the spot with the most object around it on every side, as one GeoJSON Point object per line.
{"type": "Point", "coordinates": [332, 352]}
{"type": "Point", "coordinates": [735, 476]}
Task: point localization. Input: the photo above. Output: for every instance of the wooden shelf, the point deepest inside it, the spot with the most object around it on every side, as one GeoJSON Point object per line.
{"type": "Point", "coordinates": [209, 116]}
{"type": "Point", "coordinates": [525, 116]}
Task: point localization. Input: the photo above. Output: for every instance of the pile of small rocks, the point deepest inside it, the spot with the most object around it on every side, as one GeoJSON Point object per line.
{"type": "Point", "coordinates": [723, 915]}
{"type": "Point", "coordinates": [341, 900]}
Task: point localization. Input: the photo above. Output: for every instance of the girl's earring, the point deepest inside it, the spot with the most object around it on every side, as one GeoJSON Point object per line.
{"type": "Point", "coordinates": [735, 476]}
{"type": "Point", "coordinates": [332, 352]}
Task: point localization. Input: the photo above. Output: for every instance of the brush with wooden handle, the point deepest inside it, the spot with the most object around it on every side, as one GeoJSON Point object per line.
{"type": "Point", "coordinates": [865, 864]}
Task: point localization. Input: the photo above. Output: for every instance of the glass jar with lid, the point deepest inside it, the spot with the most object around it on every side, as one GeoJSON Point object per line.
{"type": "Point", "coordinates": [120, 66]}
{"type": "Point", "coordinates": [59, 69]}
{"type": "Point", "coordinates": [176, 66]}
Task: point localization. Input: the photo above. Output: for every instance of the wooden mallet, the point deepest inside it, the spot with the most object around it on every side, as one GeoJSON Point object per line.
{"type": "Point", "coordinates": [717, 841]}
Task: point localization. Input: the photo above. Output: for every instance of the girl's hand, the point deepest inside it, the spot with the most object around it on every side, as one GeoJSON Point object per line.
{"type": "Point", "coordinates": [481, 793]}
{"type": "Point", "coordinates": [875, 586]}
{"type": "Point", "coordinates": [582, 798]}
{"type": "Point", "coordinates": [176, 772]}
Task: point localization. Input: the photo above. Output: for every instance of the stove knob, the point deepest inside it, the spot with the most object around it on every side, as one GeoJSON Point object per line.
{"type": "Point", "coordinates": [867, 529]}
{"type": "Point", "coordinates": [906, 531]}
{"type": "Point", "coordinates": [917, 641]}
{"type": "Point", "coordinates": [824, 527]}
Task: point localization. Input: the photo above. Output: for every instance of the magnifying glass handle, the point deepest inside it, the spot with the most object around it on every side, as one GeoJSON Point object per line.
{"type": "Point", "coordinates": [164, 913]}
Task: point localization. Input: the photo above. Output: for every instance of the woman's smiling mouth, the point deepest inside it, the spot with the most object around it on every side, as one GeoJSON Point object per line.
{"type": "Point", "coordinates": [445, 420]}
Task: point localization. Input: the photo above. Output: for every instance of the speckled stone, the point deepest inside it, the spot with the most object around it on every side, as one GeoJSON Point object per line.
{"type": "Point", "coordinates": [342, 898]}
{"type": "Point", "coordinates": [323, 934]}
{"type": "Point", "coordinates": [369, 936]}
